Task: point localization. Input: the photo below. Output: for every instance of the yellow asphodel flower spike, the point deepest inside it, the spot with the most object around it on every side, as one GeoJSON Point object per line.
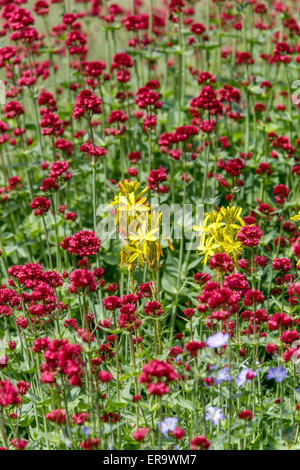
{"type": "Point", "coordinates": [129, 204]}
{"type": "Point", "coordinates": [296, 217]}
{"type": "Point", "coordinates": [170, 244]}
{"type": "Point", "coordinates": [219, 231]}
{"type": "Point", "coordinates": [139, 227]}
{"type": "Point", "coordinates": [208, 249]}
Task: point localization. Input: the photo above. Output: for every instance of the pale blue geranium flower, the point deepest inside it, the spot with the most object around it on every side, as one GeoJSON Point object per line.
{"type": "Point", "coordinates": [168, 424]}
{"type": "Point", "coordinates": [278, 374]}
{"type": "Point", "coordinates": [217, 340]}
{"type": "Point", "coordinates": [222, 376]}
{"type": "Point", "coordinates": [242, 377]}
{"type": "Point", "coordinates": [214, 414]}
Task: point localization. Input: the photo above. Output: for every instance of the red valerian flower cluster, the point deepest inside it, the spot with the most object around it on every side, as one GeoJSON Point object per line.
{"type": "Point", "coordinates": [87, 104]}
{"type": "Point", "coordinates": [249, 235]}
{"type": "Point", "coordinates": [83, 243]}
{"type": "Point", "coordinates": [64, 359]}
{"type": "Point", "coordinates": [8, 394]}
{"type": "Point", "coordinates": [157, 375]}
{"type": "Point", "coordinates": [40, 205]}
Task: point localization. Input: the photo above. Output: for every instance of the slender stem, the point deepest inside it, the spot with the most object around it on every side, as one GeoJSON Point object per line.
{"type": "Point", "coordinates": [47, 242]}
{"type": "Point", "coordinates": [2, 426]}
{"type": "Point", "coordinates": [230, 399]}
{"type": "Point", "coordinates": [117, 358]}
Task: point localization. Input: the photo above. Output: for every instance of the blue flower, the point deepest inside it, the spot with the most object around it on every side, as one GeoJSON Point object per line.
{"type": "Point", "coordinates": [214, 414]}
{"type": "Point", "coordinates": [86, 431]}
{"type": "Point", "coordinates": [242, 377]}
{"type": "Point", "coordinates": [217, 340]}
{"type": "Point", "coordinates": [168, 424]}
{"type": "Point", "coordinates": [222, 376]}
{"type": "Point", "coordinates": [278, 374]}
{"type": "Point", "coordinates": [178, 358]}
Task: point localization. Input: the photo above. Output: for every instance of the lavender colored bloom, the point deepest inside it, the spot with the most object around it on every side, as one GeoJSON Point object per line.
{"type": "Point", "coordinates": [168, 424]}
{"type": "Point", "coordinates": [222, 376]}
{"type": "Point", "coordinates": [278, 374]}
{"type": "Point", "coordinates": [214, 414]}
{"type": "Point", "coordinates": [217, 340]}
{"type": "Point", "coordinates": [242, 377]}
{"type": "Point", "coordinates": [86, 431]}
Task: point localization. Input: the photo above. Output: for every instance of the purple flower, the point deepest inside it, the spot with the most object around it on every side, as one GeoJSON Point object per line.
{"type": "Point", "coordinates": [168, 424]}
{"type": "Point", "coordinates": [222, 376]}
{"type": "Point", "coordinates": [214, 414]}
{"type": "Point", "coordinates": [242, 377]}
{"type": "Point", "coordinates": [278, 374]}
{"type": "Point", "coordinates": [217, 340]}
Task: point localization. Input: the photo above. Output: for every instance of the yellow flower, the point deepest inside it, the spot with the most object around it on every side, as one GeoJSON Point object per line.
{"type": "Point", "coordinates": [139, 228]}
{"type": "Point", "coordinates": [128, 203]}
{"type": "Point", "coordinates": [132, 256]}
{"type": "Point", "coordinates": [144, 237]}
{"type": "Point", "coordinates": [296, 217]}
{"type": "Point", "coordinates": [232, 214]}
{"type": "Point", "coordinates": [208, 248]}
{"type": "Point", "coordinates": [219, 231]}
{"type": "Point", "coordinates": [126, 187]}
{"type": "Point", "coordinates": [233, 248]}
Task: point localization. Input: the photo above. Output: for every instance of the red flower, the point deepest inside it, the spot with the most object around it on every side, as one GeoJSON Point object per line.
{"type": "Point", "coordinates": [282, 264]}
{"type": "Point", "coordinates": [199, 442]}
{"type": "Point", "coordinates": [140, 434]}
{"type": "Point", "coordinates": [89, 443]}
{"type": "Point", "coordinates": [87, 104]}
{"type": "Point", "coordinates": [160, 370]}
{"type": "Point", "coordinates": [83, 243]}
{"type": "Point", "coordinates": [80, 418]}
{"type": "Point", "coordinates": [178, 433]}
{"type": "Point", "coordinates": [18, 444]}
{"type": "Point", "coordinates": [197, 28]}
{"type": "Point", "coordinates": [153, 308]}
{"type": "Point", "coordinates": [249, 235]}
{"type": "Point", "coordinates": [82, 279]}
{"type": "Point", "coordinates": [221, 262]}
{"type": "Point", "coordinates": [57, 416]}
{"type": "Point", "coordinates": [155, 178]}
{"type": "Point", "coordinates": [281, 193]}
{"type": "Point", "coordinates": [105, 376]}
{"type": "Point", "coordinates": [40, 205]}
{"type": "Point", "coordinates": [8, 394]}
{"type": "Point", "coordinates": [193, 346]}
{"type": "Point", "coordinates": [246, 414]}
